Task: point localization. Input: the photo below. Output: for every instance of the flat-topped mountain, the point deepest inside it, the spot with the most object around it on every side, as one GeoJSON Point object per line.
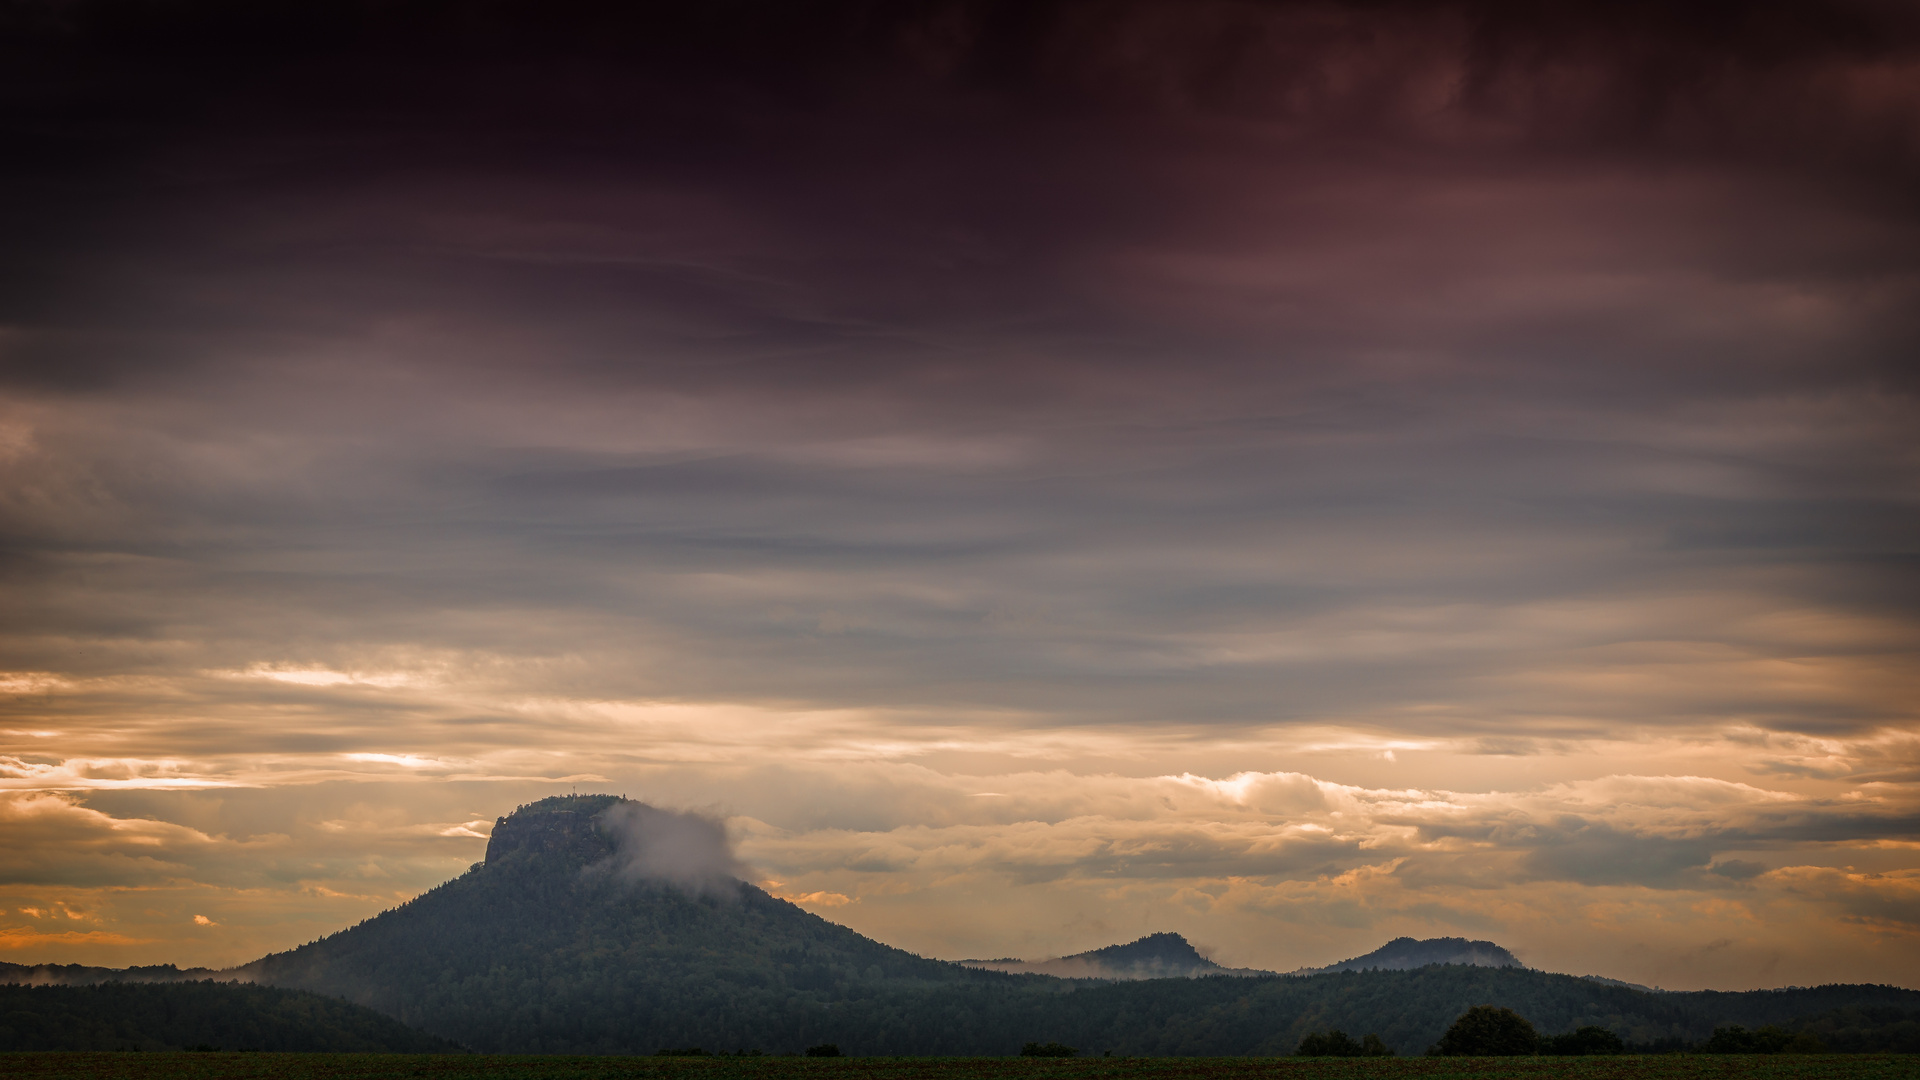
{"type": "Point", "coordinates": [1156, 956]}
{"type": "Point", "coordinates": [598, 925]}
{"type": "Point", "coordinates": [1405, 954]}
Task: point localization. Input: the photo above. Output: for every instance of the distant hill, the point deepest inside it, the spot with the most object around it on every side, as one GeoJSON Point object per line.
{"type": "Point", "coordinates": [184, 1015]}
{"type": "Point", "coordinates": [1411, 1009]}
{"type": "Point", "coordinates": [84, 975]}
{"type": "Point", "coordinates": [1156, 956]}
{"type": "Point", "coordinates": [1405, 954]}
{"type": "Point", "coordinates": [1169, 956]}
{"type": "Point", "coordinates": [1622, 982]}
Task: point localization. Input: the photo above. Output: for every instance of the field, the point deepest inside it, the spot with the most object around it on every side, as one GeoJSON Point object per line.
{"type": "Point", "coordinates": [246, 1066]}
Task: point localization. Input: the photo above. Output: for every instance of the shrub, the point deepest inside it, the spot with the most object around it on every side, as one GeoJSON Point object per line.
{"type": "Point", "coordinates": [1034, 1049]}
{"type": "Point", "coordinates": [1489, 1031]}
{"type": "Point", "coordinates": [1337, 1043]}
{"type": "Point", "coordinates": [1584, 1041]}
{"type": "Point", "coordinates": [1767, 1040]}
{"type": "Point", "coordinates": [824, 1050]}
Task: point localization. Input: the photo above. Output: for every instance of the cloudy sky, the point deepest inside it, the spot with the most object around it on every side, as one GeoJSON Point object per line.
{"type": "Point", "coordinates": [1293, 474]}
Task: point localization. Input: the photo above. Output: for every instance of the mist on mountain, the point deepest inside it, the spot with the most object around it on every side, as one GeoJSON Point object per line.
{"type": "Point", "coordinates": [685, 849]}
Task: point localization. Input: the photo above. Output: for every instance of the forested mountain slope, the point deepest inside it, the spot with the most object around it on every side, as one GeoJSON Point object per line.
{"type": "Point", "coordinates": [1408, 1009]}
{"type": "Point", "coordinates": [186, 1015]}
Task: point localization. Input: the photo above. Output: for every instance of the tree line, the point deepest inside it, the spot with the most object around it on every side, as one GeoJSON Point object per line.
{"type": "Point", "coordinates": [1492, 1031]}
{"type": "Point", "coordinates": [197, 1015]}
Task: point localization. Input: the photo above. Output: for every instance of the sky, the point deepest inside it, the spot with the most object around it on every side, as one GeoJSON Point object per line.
{"type": "Point", "coordinates": [1039, 472]}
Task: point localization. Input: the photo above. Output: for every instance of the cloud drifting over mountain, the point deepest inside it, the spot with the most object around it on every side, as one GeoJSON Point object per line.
{"type": "Point", "coordinates": [689, 851]}
{"type": "Point", "coordinates": [1290, 473]}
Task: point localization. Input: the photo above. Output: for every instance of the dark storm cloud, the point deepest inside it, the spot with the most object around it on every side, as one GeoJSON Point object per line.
{"type": "Point", "coordinates": [958, 210]}
{"type": "Point", "coordinates": [845, 192]}
{"type": "Point", "coordinates": [1222, 362]}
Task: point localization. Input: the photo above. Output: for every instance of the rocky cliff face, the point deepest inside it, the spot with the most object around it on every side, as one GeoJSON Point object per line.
{"type": "Point", "coordinates": [564, 825]}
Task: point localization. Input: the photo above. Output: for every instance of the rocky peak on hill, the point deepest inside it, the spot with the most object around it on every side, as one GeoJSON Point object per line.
{"type": "Point", "coordinates": [1156, 956]}
{"type": "Point", "coordinates": [1165, 952]}
{"type": "Point", "coordinates": [1405, 953]}
{"type": "Point", "coordinates": [565, 825]}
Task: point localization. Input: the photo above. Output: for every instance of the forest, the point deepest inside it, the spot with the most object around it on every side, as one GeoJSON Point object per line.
{"type": "Point", "coordinates": [200, 1015]}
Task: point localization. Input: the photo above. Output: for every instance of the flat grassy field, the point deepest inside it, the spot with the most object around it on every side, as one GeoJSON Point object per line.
{"type": "Point", "coordinates": [245, 1066]}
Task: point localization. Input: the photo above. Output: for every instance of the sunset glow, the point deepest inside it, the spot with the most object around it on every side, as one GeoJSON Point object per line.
{"type": "Point", "coordinates": [1044, 473]}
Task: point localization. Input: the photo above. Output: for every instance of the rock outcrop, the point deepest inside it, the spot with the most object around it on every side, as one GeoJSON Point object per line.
{"type": "Point", "coordinates": [564, 826]}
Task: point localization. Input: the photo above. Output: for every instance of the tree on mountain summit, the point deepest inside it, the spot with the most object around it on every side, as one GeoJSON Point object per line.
{"type": "Point", "coordinates": [1488, 1031]}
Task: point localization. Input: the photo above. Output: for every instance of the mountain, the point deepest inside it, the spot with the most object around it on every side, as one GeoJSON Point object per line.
{"type": "Point", "coordinates": [1167, 956]}
{"type": "Point", "coordinates": [1156, 956]}
{"type": "Point", "coordinates": [544, 947]}
{"type": "Point", "coordinates": [551, 945]}
{"type": "Point", "coordinates": [1405, 954]}
{"type": "Point", "coordinates": [185, 1015]}
{"type": "Point", "coordinates": [591, 929]}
